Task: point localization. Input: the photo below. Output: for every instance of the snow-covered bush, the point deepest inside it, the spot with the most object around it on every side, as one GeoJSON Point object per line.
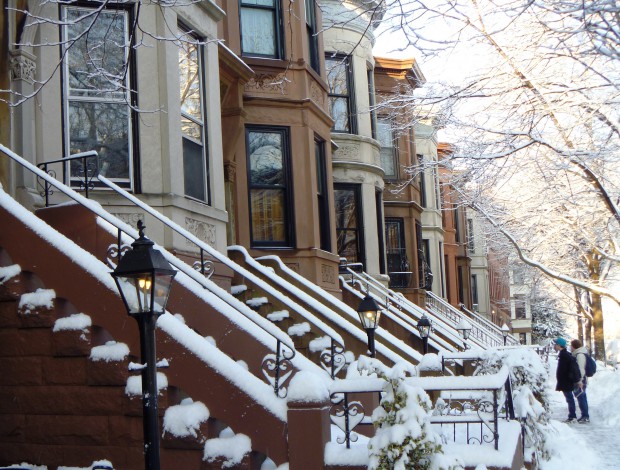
{"type": "Point", "coordinates": [403, 437]}
{"type": "Point", "coordinates": [528, 375]}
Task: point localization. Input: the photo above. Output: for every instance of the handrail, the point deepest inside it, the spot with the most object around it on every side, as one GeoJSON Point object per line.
{"type": "Point", "coordinates": [346, 310]}
{"type": "Point", "coordinates": [336, 348]}
{"type": "Point", "coordinates": [441, 307]}
{"type": "Point", "coordinates": [280, 337]}
{"type": "Point", "coordinates": [477, 318]}
{"type": "Point", "coordinates": [383, 293]}
{"type": "Point", "coordinates": [77, 156]}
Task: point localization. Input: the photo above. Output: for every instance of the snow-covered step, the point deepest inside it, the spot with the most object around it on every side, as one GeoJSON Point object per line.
{"type": "Point", "coordinates": [37, 309]}
{"type": "Point", "coordinates": [238, 289]}
{"type": "Point", "coordinates": [256, 303]}
{"type": "Point", "coordinates": [278, 316]}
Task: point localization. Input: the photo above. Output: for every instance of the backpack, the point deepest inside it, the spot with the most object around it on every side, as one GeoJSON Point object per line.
{"type": "Point", "coordinates": [590, 365]}
{"type": "Point", "coordinates": [574, 374]}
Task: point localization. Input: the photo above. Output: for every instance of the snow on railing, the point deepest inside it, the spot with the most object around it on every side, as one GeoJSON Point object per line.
{"type": "Point", "coordinates": [489, 325]}
{"type": "Point", "coordinates": [285, 349]}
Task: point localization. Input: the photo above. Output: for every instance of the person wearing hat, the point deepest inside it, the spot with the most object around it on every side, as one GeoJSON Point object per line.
{"type": "Point", "coordinates": [565, 383]}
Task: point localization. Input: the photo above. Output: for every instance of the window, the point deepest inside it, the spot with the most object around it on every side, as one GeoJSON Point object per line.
{"type": "Point", "coordinates": [97, 90]}
{"type": "Point", "coordinates": [520, 311]}
{"type": "Point", "coordinates": [380, 229]}
{"type": "Point", "coordinates": [349, 222]}
{"type": "Point", "coordinates": [471, 244]}
{"type": "Point", "coordinates": [385, 134]}
{"type": "Point", "coordinates": [341, 103]}
{"type": "Point", "coordinates": [313, 39]}
{"type": "Point", "coordinates": [474, 291]}
{"type": "Point", "coordinates": [261, 28]}
{"type": "Point", "coordinates": [271, 217]}
{"type": "Point", "coordinates": [399, 269]}
{"type": "Point", "coordinates": [522, 338]}
{"type": "Point", "coordinates": [372, 102]}
{"type": "Point", "coordinates": [423, 201]}
{"type": "Point", "coordinates": [191, 78]}
{"type": "Point", "coordinates": [322, 195]}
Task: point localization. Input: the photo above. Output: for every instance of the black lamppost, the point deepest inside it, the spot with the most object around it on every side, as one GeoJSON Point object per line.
{"type": "Point", "coordinates": [144, 279]}
{"type": "Point", "coordinates": [369, 317]}
{"type": "Point", "coordinates": [425, 326]}
{"type": "Point", "coordinates": [505, 332]}
{"type": "Point", "coordinates": [464, 329]}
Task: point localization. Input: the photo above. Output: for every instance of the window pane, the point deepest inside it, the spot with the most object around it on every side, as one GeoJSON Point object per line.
{"type": "Point", "coordinates": [97, 59]}
{"type": "Point", "coordinates": [337, 78]}
{"type": "Point", "coordinates": [258, 32]}
{"type": "Point", "coordinates": [268, 215]}
{"type": "Point", "coordinates": [189, 73]}
{"type": "Point", "coordinates": [194, 169]}
{"type": "Point", "coordinates": [265, 3]}
{"type": "Point", "coordinates": [346, 212]}
{"type": "Point", "coordinates": [191, 129]}
{"type": "Point", "coordinates": [266, 159]}
{"type": "Point", "coordinates": [101, 127]}
{"type": "Point", "coordinates": [348, 245]}
{"type": "Point", "coordinates": [339, 109]}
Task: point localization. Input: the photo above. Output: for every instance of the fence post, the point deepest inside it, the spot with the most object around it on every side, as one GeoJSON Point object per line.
{"type": "Point", "coordinates": [308, 433]}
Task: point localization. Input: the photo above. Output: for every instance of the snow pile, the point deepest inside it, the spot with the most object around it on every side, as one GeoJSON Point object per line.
{"type": "Point", "coordinates": [320, 344]}
{"type": "Point", "coordinates": [109, 352]}
{"type": "Point", "coordinates": [97, 464]}
{"type": "Point", "coordinates": [299, 329]}
{"type": "Point", "coordinates": [41, 298]}
{"type": "Point", "coordinates": [28, 466]}
{"type": "Point", "coordinates": [185, 419]}
{"type": "Point", "coordinates": [308, 387]}
{"type": "Point", "coordinates": [75, 322]}
{"type": "Point", "coordinates": [269, 464]}
{"type": "Point", "coordinates": [404, 437]}
{"type": "Point", "coordinates": [278, 316]}
{"type": "Point", "coordinates": [256, 302]}
{"type": "Point", "coordinates": [9, 272]}
{"type": "Point", "coordinates": [134, 384]}
{"type": "Point", "coordinates": [236, 290]}
{"type": "Point", "coordinates": [228, 451]}
{"type": "Point", "coordinates": [430, 362]}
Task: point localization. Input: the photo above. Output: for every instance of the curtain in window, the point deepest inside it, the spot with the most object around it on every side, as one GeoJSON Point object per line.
{"type": "Point", "coordinates": [385, 135]}
{"type": "Point", "coordinates": [258, 27]}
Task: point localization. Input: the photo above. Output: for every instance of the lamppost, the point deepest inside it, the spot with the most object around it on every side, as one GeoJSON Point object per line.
{"type": "Point", "coordinates": [505, 332]}
{"type": "Point", "coordinates": [369, 313]}
{"type": "Point", "coordinates": [425, 326]}
{"type": "Point", "coordinates": [464, 329]}
{"type": "Point", "coordinates": [144, 278]}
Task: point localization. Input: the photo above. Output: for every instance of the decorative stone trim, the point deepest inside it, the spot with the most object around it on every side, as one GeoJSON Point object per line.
{"type": "Point", "coordinates": [328, 274]}
{"type": "Point", "coordinates": [22, 65]}
{"type": "Point", "coordinates": [201, 230]}
{"type": "Point", "coordinates": [230, 172]}
{"type": "Point", "coordinates": [130, 219]}
{"type": "Point", "coordinates": [267, 83]}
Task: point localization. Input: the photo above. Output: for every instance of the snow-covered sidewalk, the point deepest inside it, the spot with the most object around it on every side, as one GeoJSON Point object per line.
{"type": "Point", "coordinates": [587, 446]}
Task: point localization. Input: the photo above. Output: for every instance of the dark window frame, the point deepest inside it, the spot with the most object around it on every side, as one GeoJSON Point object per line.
{"type": "Point", "coordinates": [134, 180]}
{"type": "Point", "coordinates": [322, 195]}
{"type": "Point", "coordinates": [276, 10]}
{"type": "Point", "coordinates": [289, 215]}
{"type": "Point", "coordinates": [372, 102]}
{"type": "Point", "coordinates": [423, 196]}
{"type": "Point", "coordinates": [312, 35]}
{"type": "Point", "coordinates": [359, 229]}
{"type": "Point", "coordinates": [401, 279]}
{"type": "Point", "coordinates": [203, 95]}
{"type": "Point", "coordinates": [350, 97]}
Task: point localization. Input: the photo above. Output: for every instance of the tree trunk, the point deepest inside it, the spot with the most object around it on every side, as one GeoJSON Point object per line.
{"type": "Point", "coordinates": [596, 305]}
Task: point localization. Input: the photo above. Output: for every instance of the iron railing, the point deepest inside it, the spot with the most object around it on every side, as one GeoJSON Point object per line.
{"type": "Point", "coordinates": [475, 317]}
{"type": "Point", "coordinates": [89, 169]}
{"type": "Point", "coordinates": [273, 366]}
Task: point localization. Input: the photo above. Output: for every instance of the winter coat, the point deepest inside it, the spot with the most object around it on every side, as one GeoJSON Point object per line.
{"type": "Point", "coordinates": [564, 383]}
{"type": "Point", "coordinates": [581, 360]}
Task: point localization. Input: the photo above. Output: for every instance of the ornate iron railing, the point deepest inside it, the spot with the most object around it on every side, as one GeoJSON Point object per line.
{"type": "Point", "coordinates": [489, 325]}
{"type": "Point", "coordinates": [275, 367]}
{"type": "Point", "coordinates": [89, 169]}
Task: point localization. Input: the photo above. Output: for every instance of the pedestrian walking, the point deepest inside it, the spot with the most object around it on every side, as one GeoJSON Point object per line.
{"type": "Point", "coordinates": [567, 376]}
{"type": "Point", "coordinates": [580, 352]}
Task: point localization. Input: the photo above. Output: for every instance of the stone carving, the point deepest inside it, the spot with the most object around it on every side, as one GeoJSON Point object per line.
{"type": "Point", "coordinates": [22, 66]}
{"type": "Point", "coordinates": [327, 274]}
{"type": "Point", "coordinates": [130, 219]}
{"type": "Point", "coordinates": [268, 83]}
{"type": "Point", "coordinates": [201, 230]}
{"type": "Point", "coordinates": [347, 152]}
{"type": "Point", "coordinates": [293, 266]}
{"type": "Point", "coordinates": [317, 95]}
{"type": "Point", "coordinates": [230, 172]}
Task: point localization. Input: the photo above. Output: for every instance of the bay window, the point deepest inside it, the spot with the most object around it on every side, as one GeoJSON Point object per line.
{"type": "Point", "coordinates": [97, 90]}
{"type": "Point", "coordinates": [349, 224]}
{"type": "Point", "coordinates": [341, 99]}
{"type": "Point", "coordinates": [261, 28]}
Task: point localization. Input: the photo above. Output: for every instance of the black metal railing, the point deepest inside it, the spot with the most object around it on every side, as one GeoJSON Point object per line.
{"type": "Point", "coordinates": [87, 172]}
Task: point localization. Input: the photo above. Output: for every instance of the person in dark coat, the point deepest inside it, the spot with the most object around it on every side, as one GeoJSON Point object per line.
{"type": "Point", "coordinates": [564, 382]}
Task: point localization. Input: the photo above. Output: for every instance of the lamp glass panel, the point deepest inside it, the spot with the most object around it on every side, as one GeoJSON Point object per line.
{"type": "Point", "coordinates": [163, 284]}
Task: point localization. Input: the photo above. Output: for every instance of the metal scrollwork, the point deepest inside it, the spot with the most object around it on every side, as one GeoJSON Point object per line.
{"type": "Point", "coordinates": [333, 359]}
{"type": "Point", "coordinates": [207, 268]}
{"type": "Point", "coordinates": [46, 189]}
{"type": "Point", "coordinates": [346, 416]}
{"type": "Point", "coordinates": [278, 369]}
{"type": "Point", "coordinates": [113, 254]}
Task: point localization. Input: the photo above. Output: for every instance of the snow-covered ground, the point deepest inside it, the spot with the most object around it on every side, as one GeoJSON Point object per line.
{"type": "Point", "coordinates": [587, 446]}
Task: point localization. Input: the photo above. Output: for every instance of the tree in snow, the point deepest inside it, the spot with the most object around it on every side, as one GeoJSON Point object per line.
{"type": "Point", "coordinates": [536, 126]}
{"type": "Point", "coordinates": [403, 437]}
